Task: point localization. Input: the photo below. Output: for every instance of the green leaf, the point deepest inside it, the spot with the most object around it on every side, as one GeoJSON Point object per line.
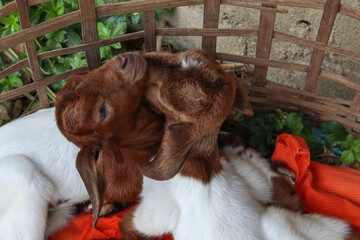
{"type": "Point", "coordinates": [356, 149]}
{"type": "Point", "coordinates": [35, 14]}
{"type": "Point", "coordinates": [59, 35]}
{"type": "Point", "coordinates": [356, 142]}
{"type": "Point", "coordinates": [50, 15]}
{"type": "Point", "coordinates": [59, 7]}
{"type": "Point", "coordinates": [159, 14]}
{"type": "Point", "coordinates": [349, 141]}
{"type": "Point", "coordinates": [332, 127]}
{"type": "Point", "coordinates": [58, 85]}
{"type": "Point", "coordinates": [15, 81]}
{"type": "Point", "coordinates": [52, 43]}
{"type": "Point", "coordinates": [4, 88]}
{"type": "Point", "coordinates": [99, 2]}
{"type": "Point", "coordinates": [74, 39]}
{"type": "Point", "coordinates": [347, 157]}
{"type": "Point", "coordinates": [294, 122]}
{"type": "Point", "coordinates": [116, 45]}
{"type": "Point", "coordinates": [135, 18]}
{"type": "Point", "coordinates": [105, 52]}
{"type": "Point", "coordinates": [118, 29]}
{"type": "Point", "coordinates": [103, 30]}
{"type": "Point", "coordinates": [60, 68]}
{"type": "Point", "coordinates": [3, 81]}
{"type": "Point", "coordinates": [336, 134]}
{"type": "Point", "coordinates": [73, 5]}
{"type": "Point", "coordinates": [11, 23]}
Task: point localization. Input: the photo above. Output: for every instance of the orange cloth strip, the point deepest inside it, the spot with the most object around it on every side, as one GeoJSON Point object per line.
{"type": "Point", "coordinates": [329, 190]}
{"type": "Point", "coordinates": [80, 228]}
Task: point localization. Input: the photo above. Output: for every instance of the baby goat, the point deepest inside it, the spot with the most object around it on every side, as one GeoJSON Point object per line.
{"type": "Point", "coordinates": [202, 195]}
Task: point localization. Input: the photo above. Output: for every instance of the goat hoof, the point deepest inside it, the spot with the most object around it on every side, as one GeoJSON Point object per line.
{"type": "Point", "coordinates": [105, 210]}
{"type": "Point", "coordinates": [288, 174]}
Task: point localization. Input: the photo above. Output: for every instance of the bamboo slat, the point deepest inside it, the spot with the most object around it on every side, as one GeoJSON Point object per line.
{"type": "Point", "coordinates": [31, 52]}
{"type": "Point", "coordinates": [205, 32]}
{"type": "Point", "coordinates": [350, 12]}
{"type": "Point", "coordinates": [35, 85]}
{"type": "Point", "coordinates": [39, 30]}
{"type": "Point", "coordinates": [303, 94]}
{"type": "Point", "coordinates": [340, 79]}
{"type": "Point", "coordinates": [7, 9]}
{"type": "Point", "coordinates": [108, 10]}
{"type": "Point", "coordinates": [355, 107]}
{"type": "Point", "coordinates": [264, 40]}
{"type": "Point", "coordinates": [89, 31]}
{"type": "Point", "coordinates": [35, 2]}
{"type": "Point", "coordinates": [286, 96]}
{"type": "Point", "coordinates": [150, 30]}
{"type": "Point", "coordinates": [211, 20]}
{"type": "Point", "coordinates": [97, 44]}
{"type": "Point", "coordinates": [15, 67]}
{"type": "Point", "coordinates": [261, 62]}
{"type": "Point", "coordinates": [244, 5]}
{"type": "Point", "coordinates": [326, 25]}
{"type": "Point", "coordinates": [316, 4]}
{"type": "Point", "coordinates": [316, 45]}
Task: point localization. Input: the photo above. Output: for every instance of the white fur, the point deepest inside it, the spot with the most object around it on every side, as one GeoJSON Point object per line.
{"type": "Point", "coordinates": [37, 168]}
{"type": "Point", "coordinates": [227, 208]}
{"type": "Point", "coordinates": [188, 62]}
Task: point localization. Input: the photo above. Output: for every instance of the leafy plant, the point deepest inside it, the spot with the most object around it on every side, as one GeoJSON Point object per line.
{"type": "Point", "coordinates": [11, 24]}
{"type": "Point", "coordinates": [12, 81]}
{"type": "Point", "coordinates": [261, 131]}
{"type": "Point", "coordinates": [67, 37]}
{"type": "Point", "coordinates": [339, 139]}
{"type": "Point", "coordinates": [113, 29]}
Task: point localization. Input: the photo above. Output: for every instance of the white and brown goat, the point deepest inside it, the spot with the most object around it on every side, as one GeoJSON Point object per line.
{"type": "Point", "coordinates": [202, 194]}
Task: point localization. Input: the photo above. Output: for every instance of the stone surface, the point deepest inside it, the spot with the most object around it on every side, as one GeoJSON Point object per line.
{"type": "Point", "coordinates": [299, 22]}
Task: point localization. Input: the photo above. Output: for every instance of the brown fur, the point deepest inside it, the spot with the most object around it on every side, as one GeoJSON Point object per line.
{"type": "Point", "coordinates": [285, 196]}
{"type": "Point", "coordinates": [114, 145]}
{"type": "Point", "coordinates": [195, 101]}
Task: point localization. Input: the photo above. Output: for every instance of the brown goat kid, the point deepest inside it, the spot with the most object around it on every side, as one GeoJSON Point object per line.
{"type": "Point", "coordinates": [104, 113]}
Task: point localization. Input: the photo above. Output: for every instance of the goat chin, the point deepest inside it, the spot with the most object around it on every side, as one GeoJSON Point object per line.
{"type": "Point", "coordinates": [37, 169]}
{"type": "Point", "coordinates": [227, 207]}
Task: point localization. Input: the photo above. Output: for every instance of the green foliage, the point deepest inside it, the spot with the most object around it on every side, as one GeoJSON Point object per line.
{"type": "Point", "coordinates": [117, 26]}
{"type": "Point", "coordinates": [12, 81]}
{"type": "Point", "coordinates": [338, 138]}
{"type": "Point", "coordinates": [261, 131]}
{"type": "Point", "coordinates": [67, 37]}
{"type": "Point", "coordinates": [11, 24]}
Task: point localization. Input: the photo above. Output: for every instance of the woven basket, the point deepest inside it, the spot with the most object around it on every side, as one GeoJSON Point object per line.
{"type": "Point", "coordinates": [264, 95]}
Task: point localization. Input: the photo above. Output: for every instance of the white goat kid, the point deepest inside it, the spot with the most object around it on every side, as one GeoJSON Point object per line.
{"type": "Point", "coordinates": [37, 169]}
{"type": "Point", "coordinates": [229, 207]}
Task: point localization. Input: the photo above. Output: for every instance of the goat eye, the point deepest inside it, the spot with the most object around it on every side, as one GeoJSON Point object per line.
{"type": "Point", "coordinates": [102, 112]}
{"type": "Point", "coordinates": [97, 155]}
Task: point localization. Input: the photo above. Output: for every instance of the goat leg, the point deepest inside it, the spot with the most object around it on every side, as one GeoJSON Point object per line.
{"type": "Point", "coordinates": [128, 230]}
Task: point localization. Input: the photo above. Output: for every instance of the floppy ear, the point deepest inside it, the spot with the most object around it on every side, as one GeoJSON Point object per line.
{"type": "Point", "coordinates": [242, 101]}
{"type": "Point", "coordinates": [131, 66]}
{"type": "Point", "coordinates": [176, 143]}
{"type": "Point", "coordinates": [86, 164]}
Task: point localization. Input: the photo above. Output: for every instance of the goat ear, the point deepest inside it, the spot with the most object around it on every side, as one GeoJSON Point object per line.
{"type": "Point", "coordinates": [241, 102]}
{"type": "Point", "coordinates": [92, 178]}
{"type": "Point", "coordinates": [131, 66]}
{"type": "Point", "coordinates": [176, 143]}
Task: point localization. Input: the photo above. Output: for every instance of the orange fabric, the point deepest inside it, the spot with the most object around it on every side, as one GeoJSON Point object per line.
{"type": "Point", "coordinates": [329, 190]}
{"type": "Point", "coordinates": [80, 228]}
